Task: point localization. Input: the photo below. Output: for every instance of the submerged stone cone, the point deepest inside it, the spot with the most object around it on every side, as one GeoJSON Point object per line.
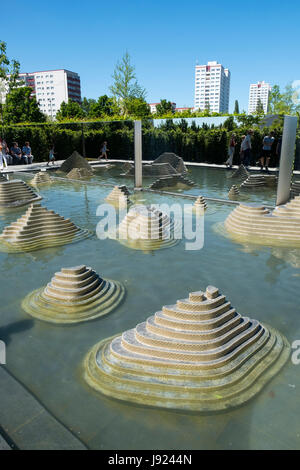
{"type": "Point", "coordinates": [199, 354]}
{"type": "Point", "coordinates": [41, 177]}
{"type": "Point", "coordinates": [2, 177]}
{"type": "Point", "coordinates": [295, 189]}
{"type": "Point", "coordinates": [15, 193]}
{"type": "Point", "coordinates": [175, 181]}
{"type": "Point", "coordinates": [39, 228]}
{"type": "Point", "coordinates": [74, 295]}
{"type": "Point", "coordinates": [119, 197]}
{"type": "Point", "coordinates": [256, 224]}
{"type": "Point", "coordinates": [75, 161]}
{"type": "Point", "coordinates": [146, 228]}
{"type": "Point", "coordinates": [200, 204]}
{"type": "Point", "coordinates": [80, 173]}
{"type": "Point", "coordinates": [233, 192]}
{"type": "Point", "coordinates": [253, 181]}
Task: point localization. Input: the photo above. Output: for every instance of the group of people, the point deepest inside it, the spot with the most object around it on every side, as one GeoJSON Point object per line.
{"type": "Point", "coordinates": [245, 150]}
{"type": "Point", "coordinates": [15, 155]}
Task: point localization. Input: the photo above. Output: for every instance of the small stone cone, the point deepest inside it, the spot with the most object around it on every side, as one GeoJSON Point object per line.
{"type": "Point", "coordinates": [40, 178]}
{"type": "Point", "coordinates": [233, 192]}
{"type": "Point", "coordinates": [74, 295]}
{"type": "Point", "coordinates": [119, 197]}
{"type": "Point", "coordinates": [200, 204]}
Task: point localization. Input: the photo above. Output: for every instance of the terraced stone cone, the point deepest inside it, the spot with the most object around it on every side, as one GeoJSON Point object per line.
{"type": "Point", "coordinates": [256, 224]}
{"type": "Point", "coordinates": [146, 228]}
{"type": "Point", "coordinates": [295, 189]}
{"type": "Point", "coordinates": [241, 172]}
{"type": "Point", "coordinates": [2, 178]}
{"type": "Point", "coordinates": [200, 204]}
{"type": "Point", "coordinates": [74, 295]}
{"type": "Point", "coordinates": [253, 181]}
{"type": "Point", "coordinates": [175, 181]}
{"type": "Point", "coordinates": [80, 173]}
{"type": "Point", "coordinates": [40, 178]}
{"type": "Point", "coordinates": [119, 197]}
{"type": "Point", "coordinates": [233, 192]}
{"type": "Point", "coordinates": [15, 193]}
{"type": "Point", "coordinates": [39, 228]}
{"type": "Point", "coordinates": [199, 354]}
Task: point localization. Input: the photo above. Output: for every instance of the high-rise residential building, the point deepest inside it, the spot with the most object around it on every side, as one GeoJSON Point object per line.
{"type": "Point", "coordinates": [212, 87]}
{"type": "Point", "coordinates": [259, 92]}
{"type": "Point", "coordinates": [52, 87]}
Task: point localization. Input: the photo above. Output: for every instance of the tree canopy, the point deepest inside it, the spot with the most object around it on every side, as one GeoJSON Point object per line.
{"type": "Point", "coordinates": [20, 106]}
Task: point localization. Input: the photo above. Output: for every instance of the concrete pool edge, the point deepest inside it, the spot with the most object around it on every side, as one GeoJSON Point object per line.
{"type": "Point", "coordinates": [23, 417]}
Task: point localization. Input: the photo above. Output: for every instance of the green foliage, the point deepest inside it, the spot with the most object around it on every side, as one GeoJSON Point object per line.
{"type": "Point", "coordinates": [138, 108]}
{"type": "Point", "coordinates": [229, 124]}
{"type": "Point", "coordinates": [260, 107]}
{"type": "Point", "coordinates": [236, 107]}
{"type": "Point", "coordinates": [104, 106]}
{"type": "Point", "coordinates": [72, 110]}
{"type": "Point", "coordinates": [86, 105]}
{"type": "Point", "coordinates": [8, 67]}
{"type": "Point", "coordinates": [285, 102]}
{"type": "Point", "coordinates": [248, 120]}
{"type": "Point", "coordinates": [164, 107]}
{"type": "Point", "coordinates": [20, 106]}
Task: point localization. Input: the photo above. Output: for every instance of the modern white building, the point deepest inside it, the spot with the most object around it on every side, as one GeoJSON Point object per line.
{"type": "Point", "coordinates": [212, 87]}
{"type": "Point", "coordinates": [259, 91]}
{"type": "Point", "coordinates": [52, 87]}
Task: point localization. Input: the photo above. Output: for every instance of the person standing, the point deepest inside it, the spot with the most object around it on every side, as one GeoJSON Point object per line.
{"type": "Point", "coordinates": [268, 141]}
{"type": "Point", "coordinates": [51, 156]}
{"type": "Point", "coordinates": [231, 148]}
{"type": "Point", "coordinates": [103, 151]}
{"type": "Point", "coordinates": [3, 161]}
{"type": "Point", "coordinates": [5, 151]}
{"type": "Point", "coordinates": [246, 148]}
{"type": "Point", "coordinates": [27, 155]}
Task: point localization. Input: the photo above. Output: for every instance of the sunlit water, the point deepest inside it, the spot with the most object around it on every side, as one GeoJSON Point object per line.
{"type": "Point", "coordinates": [261, 282]}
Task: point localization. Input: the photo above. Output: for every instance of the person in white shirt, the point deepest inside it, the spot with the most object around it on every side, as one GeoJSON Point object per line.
{"type": "Point", "coordinates": [246, 148]}
{"type": "Point", "coordinates": [3, 161]}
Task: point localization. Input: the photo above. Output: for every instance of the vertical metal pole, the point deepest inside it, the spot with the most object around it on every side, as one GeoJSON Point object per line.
{"type": "Point", "coordinates": [138, 154]}
{"type": "Point", "coordinates": [287, 158]}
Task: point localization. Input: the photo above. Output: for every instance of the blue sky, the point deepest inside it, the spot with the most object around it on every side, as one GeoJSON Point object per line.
{"type": "Point", "coordinates": [255, 40]}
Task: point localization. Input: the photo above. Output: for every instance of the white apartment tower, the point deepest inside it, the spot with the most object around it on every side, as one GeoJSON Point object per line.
{"type": "Point", "coordinates": [212, 86]}
{"type": "Point", "coordinates": [258, 92]}
{"type": "Point", "coordinates": [52, 87]}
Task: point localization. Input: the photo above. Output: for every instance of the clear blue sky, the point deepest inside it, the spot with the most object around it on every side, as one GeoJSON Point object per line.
{"type": "Point", "coordinates": [255, 40]}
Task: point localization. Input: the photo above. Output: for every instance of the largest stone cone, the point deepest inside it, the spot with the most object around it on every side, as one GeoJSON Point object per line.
{"type": "Point", "coordinates": [74, 295]}
{"type": "Point", "coordinates": [15, 193]}
{"type": "Point", "coordinates": [40, 228]}
{"type": "Point", "coordinates": [199, 354]}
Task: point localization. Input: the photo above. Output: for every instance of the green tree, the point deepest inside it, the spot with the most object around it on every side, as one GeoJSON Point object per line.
{"type": "Point", "coordinates": [284, 102]}
{"type": "Point", "coordinates": [20, 106]}
{"type": "Point", "coordinates": [164, 107]}
{"type": "Point", "coordinates": [260, 107]}
{"type": "Point", "coordinates": [125, 86]}
{"type": "Point", "coordinates": [236, 107]}
{"type": "Point", "coordinates": [70, 110]}
{"type": "Point", "coordinates": [86, 105]}
{"type": "Point", "coordinates": [104, 106]}
{"type": "Point", "coordinates": [248, 120]}
{"type": "Point", "coordinates": [229, 124]}
{"type": "Point", "coordinates": [138, 107]}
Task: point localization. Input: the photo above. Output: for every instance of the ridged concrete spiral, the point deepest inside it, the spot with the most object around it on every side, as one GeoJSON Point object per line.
{"type": "Point", "coordinates": [253, 181]}
{"type": "Point", "coordinates": [40, 178]}
{"type": "Point", "coordinates": [256, 224]}
{"type": "Point", "coordinates": [119, 197]}
{"type": "Point", "coordinates": [175, 181]}
{"type": "Point", "coordinates": [74, 295]}
{"type": "Point", "coordinates": [295, 188]}
{"type": "Point", "coordinates": [146, 228]}
{"type": "Point", "coordinates": [200, 204]}
{"type": "Point", "coordinates": [16, 193]}
{"type": "Point", "coordinates": [80, 173]}
{"type": "Point", "coordinates": [199, 354]}
{"type": "Point", "coordinates": [2, 178]}
{"type": "Point", "coordinates": [241, 172]}
{"type": "Point", "coordinates": [233, 192]}
{"type": "Point", "coordinates": [39, 228]}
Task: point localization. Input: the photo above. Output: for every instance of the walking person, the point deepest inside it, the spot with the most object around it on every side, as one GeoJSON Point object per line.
{"type": "Point", "coordinates": [3, 161]}
{"type": "Point", "coordinates": [103, 151]}
{"type": "Point", "coordinates": [246, 148]}
{"type": "Point", "coordinates": [231, 148]}
{"type": "Point", "coordinates": [268, 141]}
{"type": "Point", "coordinates": [51, 157]}
{"type": "Point", "coordinates": [27, 155]}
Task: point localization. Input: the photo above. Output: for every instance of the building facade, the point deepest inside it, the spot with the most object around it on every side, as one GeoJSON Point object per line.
{"type": "Point", "coordinates": [52, 87]}
{"type": "Point", "coordinates": [212, 87]}
{"type": "Point", "coordinates": [259, 92]}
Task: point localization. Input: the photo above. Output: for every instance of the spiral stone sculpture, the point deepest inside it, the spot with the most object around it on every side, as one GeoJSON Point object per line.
{"type": "Point", "coordinates": [200, 204]}
{"type": "Point", "coordinates": [295, 188]}
{"type": "Point", "coordinates": [253, 181]}
{"type": "Point", "coordinates": [199, 354]}
{"type": "Point", "coordinates": [254, 223]}
{"type": "Point", "coordinates": [175, 181]}
{"type": "Point", "coordinates": [2, 178]}
{"type": "Point", "coordinates": [40, 178]}
{"type": "Point", "coordinates": [80, 173]}
{"type": "Point", "coordinates": [241, 172]}
{"type": "Point", "coordinates": [39, 228]}
{"type": "Point", "coordinates": [16, 193]}
{"type": "Point", "coordinates": [233, 192]}
{"type": "Point", "coordinates": [74, 295]}
{"type": "Point", "coordinates": [119, 197]}
{"type": "Point", "coordinates": [146, 228]}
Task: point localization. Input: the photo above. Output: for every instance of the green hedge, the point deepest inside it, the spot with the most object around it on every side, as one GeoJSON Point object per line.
{"type": "Point", "coordinates": [208, 145]}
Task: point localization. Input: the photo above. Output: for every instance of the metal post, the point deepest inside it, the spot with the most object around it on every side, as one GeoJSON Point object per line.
{"type": "Point", "coordinates": [287, 158]}
{"type": "Point", "coordinates": [138, 154]}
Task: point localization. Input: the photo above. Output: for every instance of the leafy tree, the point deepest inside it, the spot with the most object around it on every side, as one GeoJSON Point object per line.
{"type": "Point", "coordinates": [20, 106]}
{"type": "Point", "coordinates": [229, 124]}
{"type": "Point", "coordinates": [104, 106]}
{"type": "Point", "coordinates": [164, 107]}
{"type": "Point", "coordinates": [8, 67]}
{"type": "Point", "coordinates": [70, 110]}
{"type": "Point", "coordinates": [86, 105]}
{"type": "Point", "coordinates": [125, 86]}
{"type": "Point", "coordinates": [248, 120]}
{"type": "Point", "coordinates": [285, 102]}
{"type": "Point", "coordinates": [260, 107]}
{"type": "Point", "coordinates": [138, 107]}
{"type": "Point", "coordinates": [236, 107]}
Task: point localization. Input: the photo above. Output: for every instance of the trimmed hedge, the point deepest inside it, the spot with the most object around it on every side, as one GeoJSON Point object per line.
{"type": "Point", "coordinates": [195, 144]}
